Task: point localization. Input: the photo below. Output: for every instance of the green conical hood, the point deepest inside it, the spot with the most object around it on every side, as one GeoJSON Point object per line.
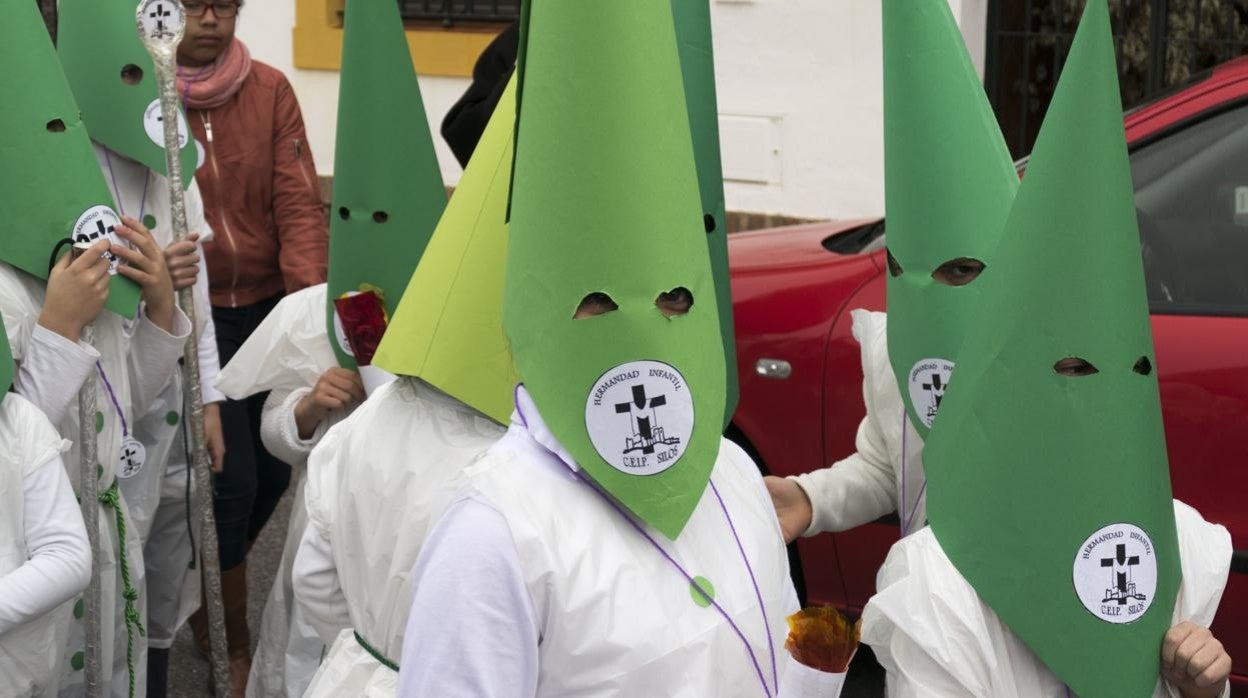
{"type": "Point", "coordinates": [50, 181]}
{"type": "Point", "coordinates": [949, 183]}
{"type": "Point", "coordinates": [605, 200]}
{"type": "Point", "coordinates": [1051, 493]}
{"type": "Point", "coordinates": [388, 190]}
{"type": "Point", "coordinates": [448, 328]}
{"type": "Point", "coordinates": [693, 40]}
{"type": "Point", "coordinates": [114, 82]}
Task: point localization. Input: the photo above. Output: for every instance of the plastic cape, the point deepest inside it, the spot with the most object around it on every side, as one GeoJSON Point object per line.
{"type": "Point", "coordinates": [948, 185]}
{"type": "Point", "coordinates": [693, 40]}
{"type": "Point", "coordinates": [413, 487]}
{"type": "Point", "coordinates": [31, 655]}
{"type": "Point", "coordinates": [289, 350]}
{"type": "Point", "coordinates": [448, 329]}
{"type": "Point", "coordinates": [114, 82]}
{"type": "Point", "coordinates": [604, 125]}
{"type": "Point", "coordinates": [673, 644]}
{"type": "Point", "coordinates": [388, 191]}
{"type": "Point", "coordinates": [936, 637]}
{"type": "Point", "coordinates": [49, 181]}
{"type": "Point", "coordinates": [1049, 489]}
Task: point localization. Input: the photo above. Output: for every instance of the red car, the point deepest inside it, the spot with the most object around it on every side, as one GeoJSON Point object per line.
{"type": "Point", "coordinates": [801, 375]}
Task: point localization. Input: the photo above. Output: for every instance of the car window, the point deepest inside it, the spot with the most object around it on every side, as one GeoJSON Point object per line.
{"type": "Point", "coordinates": [1191, 196]}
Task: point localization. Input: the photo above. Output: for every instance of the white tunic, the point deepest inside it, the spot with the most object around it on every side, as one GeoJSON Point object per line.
{"type": "Point", "coordinates": [533, 584]}
{"type": "Point", "coordinates": [157, 494]}
{"type": "Point", "coordinates": [935, 637]}
{"type": "Point", "coordinates": [45, 560]}
{"type": "Point", "coordinates": [376, 484]}
{"type": "Point", "coordinates": [286, 354]}
{"type": "Point", "coordinates": [135, 360]}
{"type": "Point", "coordinates": [885, 474]}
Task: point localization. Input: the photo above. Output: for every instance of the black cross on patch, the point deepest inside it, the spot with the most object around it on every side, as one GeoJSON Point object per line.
{"type": "Point", "coordinates": [159, 14]}
{"type": "Point", "coordinates": [936, 388]}
{"type": "Point", "coordinates": [644, 428]}
{"type": "Point", "coordinates": [1121, 564]}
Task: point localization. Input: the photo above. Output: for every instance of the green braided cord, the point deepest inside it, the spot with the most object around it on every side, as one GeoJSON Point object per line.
{"type": "Point", "coordinates": [112, 498]}
{"type": "Point", "coordinates": [385, 661]}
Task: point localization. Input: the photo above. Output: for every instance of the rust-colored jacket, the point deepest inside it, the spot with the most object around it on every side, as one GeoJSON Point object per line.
{"type": "Point", "coordinates": [261, 195]}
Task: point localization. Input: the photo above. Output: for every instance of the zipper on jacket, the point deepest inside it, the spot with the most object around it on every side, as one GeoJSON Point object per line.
{"type": "Point", "coordinates": [225, 222]}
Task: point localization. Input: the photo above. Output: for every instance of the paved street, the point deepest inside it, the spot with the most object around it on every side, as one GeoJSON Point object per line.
{"type": "Point", "coordinates": [188, 673]}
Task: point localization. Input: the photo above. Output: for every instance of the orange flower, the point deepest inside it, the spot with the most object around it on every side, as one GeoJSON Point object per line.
{"type": "Point", "coordinates": [821, 638]}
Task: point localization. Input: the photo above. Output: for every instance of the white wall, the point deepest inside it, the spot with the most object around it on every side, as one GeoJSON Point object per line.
{"type": "Point", "coordinates": [800, 99]}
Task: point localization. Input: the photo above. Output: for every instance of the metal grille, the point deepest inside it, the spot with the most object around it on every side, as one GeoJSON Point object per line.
{"type": "Point", "coordinates": [450, 12]}
{"type": "Point", "coordinates": [1161, 44]}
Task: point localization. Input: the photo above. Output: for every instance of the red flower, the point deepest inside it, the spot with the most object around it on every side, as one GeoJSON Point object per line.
{"type": "Point", "coordinates": [363, 318]}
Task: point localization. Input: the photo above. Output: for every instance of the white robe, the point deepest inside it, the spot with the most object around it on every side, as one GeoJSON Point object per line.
{"type": "Point", "coordinates": [376, 484]}
{"type": "Point", "coordinates": [159, 494]}
{"type": "Point", "coordinates": [533, 585]}
{"type": "Point", "coordinates": [45, 559]}
{"type": "Point", "coordinates": [286, 355]}
{"type": "Point", "coordinates": [935, 637]}
{"type": "Point", "coordinates": [885, 473]}
{"type": "Point", "coordinates": [138, 358]}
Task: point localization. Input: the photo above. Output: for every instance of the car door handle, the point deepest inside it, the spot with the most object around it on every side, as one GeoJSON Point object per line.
{"type": "Point", "coordinates": [777, 369]}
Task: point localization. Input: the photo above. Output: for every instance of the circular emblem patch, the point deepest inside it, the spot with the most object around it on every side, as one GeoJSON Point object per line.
{"type": "Point", "coordinates": [639, 416]}
{"type": "Point", "coordinates": [131, 459]}
{"type": "Point", "coordinates": [927, 382]}
{"type": "Point", "coordinates": [96, 223]}
{"type": "Point", "coordinates": [162, 19]}
{"type": "Point", "coordinates": [1116, 573]}
{"type": "Point", "coordinates": [154, 125]}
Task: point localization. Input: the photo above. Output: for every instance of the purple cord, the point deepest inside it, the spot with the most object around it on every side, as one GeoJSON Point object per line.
{"type": "Point", "coordinates": [758, 594]}
{"type": "Point", "coordinates": [147, 180]}
{"type": "Point", "coordinates": [515, 400]}
{"type": "Point", "coordinates": [125, 430]}
{"type": "Point", "coordinates": [906, 521]}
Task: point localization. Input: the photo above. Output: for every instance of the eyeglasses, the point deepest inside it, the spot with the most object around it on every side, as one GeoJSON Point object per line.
{"type": "Point", "coordinates": [222, 10]}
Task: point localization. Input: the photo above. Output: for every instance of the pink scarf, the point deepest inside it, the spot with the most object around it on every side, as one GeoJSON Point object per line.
{"type": "Point", "coordinates": [212, 85]}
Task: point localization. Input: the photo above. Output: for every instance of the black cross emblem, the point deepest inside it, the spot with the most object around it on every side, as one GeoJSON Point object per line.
{"type": "Point", "coordinates": [640, 401]}
{"type": "Point", "coordinates": [936, 388]}
{"type": "Point", "coordinates": [159, 14]}
{"type": "Point", "coordinates": [1121, 564]}
{"type": "Point", "coordinates": [128, 454]}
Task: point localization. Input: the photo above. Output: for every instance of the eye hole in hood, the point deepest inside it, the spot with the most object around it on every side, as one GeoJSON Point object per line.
{"type": "Point", "coordinates": [894, 268]}
{"type": "Point", "coordinates": [1074, 367]}
{"type": "Point", "coordinates": [1143, 366]}
{"type": "Point", "coordinates": [959, 271]}
{"type": "Point", "coordinates": [594, 304]}
{"type": "Point", "coordinates": [677, 301]}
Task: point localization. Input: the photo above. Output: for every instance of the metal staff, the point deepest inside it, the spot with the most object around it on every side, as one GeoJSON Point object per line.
{"type": "Point", "coordinates": [161, 24]}
{"type": "Point", "coordinates": [89, 501]}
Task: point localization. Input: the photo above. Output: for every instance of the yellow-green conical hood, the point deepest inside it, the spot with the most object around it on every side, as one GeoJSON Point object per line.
{"type": "Point", "coordinates": [448, 328]}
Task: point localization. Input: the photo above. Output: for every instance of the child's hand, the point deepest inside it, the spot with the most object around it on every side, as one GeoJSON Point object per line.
{"type": "Point", "coordinates": [1193, 661]}
{"type": "Point", "coordinates": [145, 265]}
{"type": "Point", "coordinates": [793, 507]}
{"type": "Point", "coordinates": [334, 390]}
{"type": "Point", "coordinates": [77, 291]}
{"type": "Point", "coordinates": [182, 259]}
